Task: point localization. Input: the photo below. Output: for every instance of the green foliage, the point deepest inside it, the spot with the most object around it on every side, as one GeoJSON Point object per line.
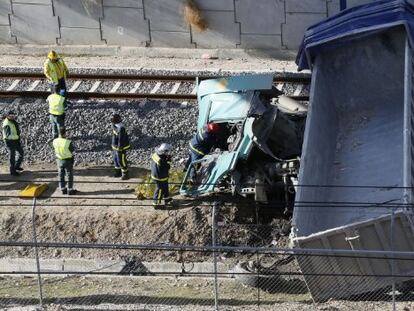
{"type": "Point", "coordinates": [145, 190]}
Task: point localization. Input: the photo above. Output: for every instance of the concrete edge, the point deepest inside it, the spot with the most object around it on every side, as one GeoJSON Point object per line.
{"type": "Point", "coordinates": [151, 52]}
{"type": "Point", "coordinates": [16, 265]}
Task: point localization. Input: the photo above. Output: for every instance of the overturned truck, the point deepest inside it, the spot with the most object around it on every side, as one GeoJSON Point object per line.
{"type": "Point", "coordinates": [259, 144]}
{"type": "Point", "coordinates": [356, 174]}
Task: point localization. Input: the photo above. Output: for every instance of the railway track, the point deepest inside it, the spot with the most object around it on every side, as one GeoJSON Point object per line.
{"type": "Point", "coordinates": [117, 86]}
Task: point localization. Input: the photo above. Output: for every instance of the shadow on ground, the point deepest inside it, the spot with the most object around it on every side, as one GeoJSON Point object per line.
{"type": "Point", "coordinates": [129, 299]}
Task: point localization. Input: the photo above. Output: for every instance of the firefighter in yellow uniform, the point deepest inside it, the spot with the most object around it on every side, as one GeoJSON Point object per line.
{"type": "Point", "coordinates": [57, 107]}
{"type": "Point", "coordinates": [120, 145]}
{"type": "Point", "coordinates": [160, 167]}
{"type": "Point", "coordinates": [55, 71]}
{"type": "Point", "coordinates": [64, 156]}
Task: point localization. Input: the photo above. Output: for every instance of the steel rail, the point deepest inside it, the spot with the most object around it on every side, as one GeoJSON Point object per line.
{"type": "Point", "coordinates": [136, 77]}
{"type": "Point", "coordinates": [125, 78]}
{"type": "Point", "coordinates": [97, 95]}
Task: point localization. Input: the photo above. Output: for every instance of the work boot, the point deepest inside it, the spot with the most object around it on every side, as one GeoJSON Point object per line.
{"type": "Point", "coordinates": [125, 176]}
{"type": "Point", "coordinates": [64, 191]}
{"type": "Point", "coordinates": [19, 169]}
{"type": "Point", "coordinates": [72, 191]}
{"type": "Point", "coordinates": [158, 206]}
{"type": "Point", "coordinates": [117, 173]}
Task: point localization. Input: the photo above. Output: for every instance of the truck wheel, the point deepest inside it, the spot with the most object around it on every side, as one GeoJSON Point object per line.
{"type": "Point", "coordinates": [265, 281]}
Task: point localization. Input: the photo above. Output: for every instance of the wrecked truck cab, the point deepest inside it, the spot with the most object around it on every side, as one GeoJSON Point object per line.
{"type": "Point", "coordinates": [260, 138]}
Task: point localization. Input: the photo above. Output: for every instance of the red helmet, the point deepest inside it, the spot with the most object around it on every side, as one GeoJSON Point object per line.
{"type": "Point", "coordinates": [213, 127]}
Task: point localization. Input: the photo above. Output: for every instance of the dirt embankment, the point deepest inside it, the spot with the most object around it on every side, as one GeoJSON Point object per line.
{"type": "Point", "coordinates": [107, 211]}
{"type": "Point", "coordinates": [127, 225]}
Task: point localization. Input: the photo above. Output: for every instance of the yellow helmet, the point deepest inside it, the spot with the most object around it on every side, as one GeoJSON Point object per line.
{"type": "Point", "coordinates": [52, 55]}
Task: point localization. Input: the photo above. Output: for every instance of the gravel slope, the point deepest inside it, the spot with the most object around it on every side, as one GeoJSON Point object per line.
{"type": "Point", "coordinates": [149, 123]}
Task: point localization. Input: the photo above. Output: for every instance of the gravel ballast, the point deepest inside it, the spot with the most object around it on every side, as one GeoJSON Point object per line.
{"type": "Point", "coordinates": [148, 123]}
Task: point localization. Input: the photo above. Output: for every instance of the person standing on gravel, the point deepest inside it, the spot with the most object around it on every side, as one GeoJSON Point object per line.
{"type": "Point", "coordinates": [160, 166]}
{"type": "Point", "coordinates": [120, 145]}
{"type": "Point", "coordinates": [11, 136]}
{"type": "Point", "coordinates": [57, 107]}
{"type": "Point", "coordinates": [55, 71]}
{"type": "Point", "coordinates": [64, 155]}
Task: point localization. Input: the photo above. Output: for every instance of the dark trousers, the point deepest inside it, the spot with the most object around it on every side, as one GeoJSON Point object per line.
{"type": "Point", "coordinates": [120, 161]}
{"type": "Point", "coordinates": [57, 123]}
{"type": "Point", "coordinates": [61, 85]}
{"type": "Point", "coordinates": [65, 168]}
{"type": "Point", "coordinates": [12, 147]}
{"type": "Point", "coordinates": [192, 156]}
{"type": "Point", "coordinates": [161, 192]}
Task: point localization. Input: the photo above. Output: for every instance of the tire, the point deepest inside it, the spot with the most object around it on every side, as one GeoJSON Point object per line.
{"type": "Point", "coordinates": [265, 281]}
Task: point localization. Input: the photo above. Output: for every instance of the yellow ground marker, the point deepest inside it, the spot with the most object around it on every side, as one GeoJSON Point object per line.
{"type": "Point", "coordinates": [33, 190]}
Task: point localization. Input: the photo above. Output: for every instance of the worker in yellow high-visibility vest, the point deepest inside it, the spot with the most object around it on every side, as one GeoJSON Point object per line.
{"type": "Point", "coordinates": [57, 106]}
{"type": "Point", "coordinates": [64, 156]}
{"type": "Point", "coordinates": [55, 71]}
{"type": "Point", "coordinates": [11, 137]}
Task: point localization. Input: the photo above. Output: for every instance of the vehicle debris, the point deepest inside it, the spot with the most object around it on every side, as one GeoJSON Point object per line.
{"type": "Point", "coordinates": [259, 146]}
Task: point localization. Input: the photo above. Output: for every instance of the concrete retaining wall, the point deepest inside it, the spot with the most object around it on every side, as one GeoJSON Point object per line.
{"type": "Point", "coordinates": [251, 24]}
{"type": "Point", "coordinates": [20, 265]}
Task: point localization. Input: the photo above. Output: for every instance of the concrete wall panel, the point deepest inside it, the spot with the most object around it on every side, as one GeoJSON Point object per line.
{"type": "Point", "coordinates": [306, 6]}
{"type": "Point", "coordinates": [231, 23]}
{"type": "Point", "coordinates": [124, 26]}
{"type": "Point", "coordinates": [215, 5]}
{"type": "Point", "coordinates": [295, 27]}
{"type": "Point", "coordinates": [171, 39]}
{"type": "Point", "coordinates": [351, 3]}
{"type": "Point", "coordinates": [222, 31]}
{"type": "Point", "coordinates": [78, 13]}
{"type": "Point", "coordinates": [34, 24]}
{"type": "Point", "coordinates": [333, 5]}
{"type": "Point", "coordinates": [80, 36]}
{"type": "Point", "coordinates": [165, 15]}
{"type": "Point", "coordinates": [43, 2]}
{"type": "Point", "coordinates": [5, 35]}
{"type": "Point", "coordinates": [5, 10]}
{"type": "Point", "coordinates": [124, 3]}
{"type": "Point", "coordinates": [261, 41]}
{"type": "Point", "coordinates": [260, 17]}
{"type": "Point", "coordinates": [333, 8]}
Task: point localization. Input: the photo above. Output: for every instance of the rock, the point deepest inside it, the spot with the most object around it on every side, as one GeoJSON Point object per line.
{"type": "Point", "coordinates": [208, 56]}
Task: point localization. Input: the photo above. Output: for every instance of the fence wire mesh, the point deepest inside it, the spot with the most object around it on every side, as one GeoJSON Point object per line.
{"type": "Point", "coordinates": [209, 257]}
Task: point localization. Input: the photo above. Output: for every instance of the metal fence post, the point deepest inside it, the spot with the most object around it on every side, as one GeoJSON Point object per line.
{"type": "Point", "coordinates": [213, 233]}
{"type": "Point", "coordinates": [39, 278]}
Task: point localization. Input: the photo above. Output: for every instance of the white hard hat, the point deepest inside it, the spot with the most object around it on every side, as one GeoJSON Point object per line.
{"type": "Point", "coordinates": [163, 148]}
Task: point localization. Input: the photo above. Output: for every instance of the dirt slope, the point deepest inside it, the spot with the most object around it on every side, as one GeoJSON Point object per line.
{"type": "Point", "coordinates": [108, 212]}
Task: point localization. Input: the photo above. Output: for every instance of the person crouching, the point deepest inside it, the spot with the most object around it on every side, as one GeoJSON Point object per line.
{"type": "Point", "coordinates": [160, 166]}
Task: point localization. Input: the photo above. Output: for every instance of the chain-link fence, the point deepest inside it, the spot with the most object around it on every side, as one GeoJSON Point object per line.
{"type": "Point", "coordinates": [205, 256]}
